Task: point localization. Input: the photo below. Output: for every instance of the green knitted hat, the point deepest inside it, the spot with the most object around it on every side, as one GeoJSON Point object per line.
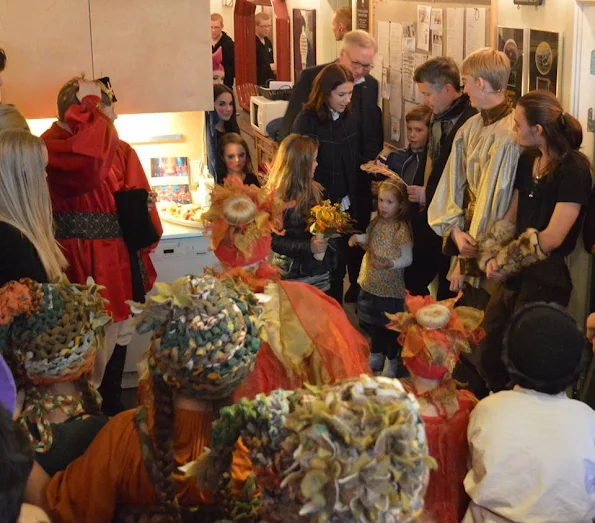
{"type": "Point", "coordinates": [205, 334]}
{"type": "Point", "coordinates": [49, 332]}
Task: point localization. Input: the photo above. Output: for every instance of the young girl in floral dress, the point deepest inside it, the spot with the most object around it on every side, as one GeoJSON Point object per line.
{"type": "Point", "coordinates": [389, 248]}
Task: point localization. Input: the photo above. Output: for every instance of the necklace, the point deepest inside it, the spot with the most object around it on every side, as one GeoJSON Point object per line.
{"type": "Point", "coordinates": [537, 175]}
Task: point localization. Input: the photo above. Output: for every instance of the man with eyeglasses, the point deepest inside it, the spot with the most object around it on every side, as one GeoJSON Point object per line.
{"type": "Point", "coordinates": [357, 55]}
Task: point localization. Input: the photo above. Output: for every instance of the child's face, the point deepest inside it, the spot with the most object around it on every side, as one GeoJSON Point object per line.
{"type": "Point", "coordinates": [417, 134]}
{"type": "Point", "coordinates": [224, 106]}
{"type": "Point", "coordinates": [235, 157]}
{"type": "Point", "coordinates": [388, 205]}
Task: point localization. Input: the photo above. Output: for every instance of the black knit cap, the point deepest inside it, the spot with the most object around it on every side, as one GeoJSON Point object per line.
{"type": "Point", "coordinates": [543, 345]}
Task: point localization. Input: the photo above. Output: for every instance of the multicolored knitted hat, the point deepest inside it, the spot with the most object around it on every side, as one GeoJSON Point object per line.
{"type": "Point", "coordinates": [49, 332]}
{"type": "Point", "coordinates": [241, 219]}
{"type": "Point", "coordinates": [205, 334]}
{"type": "Point", "coordinates": [354, 452]}
{"type": "Point", "coordinates": [433, 334]}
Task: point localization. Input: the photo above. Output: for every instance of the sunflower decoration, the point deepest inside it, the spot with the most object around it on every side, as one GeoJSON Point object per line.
{"type": "Point", "coordinates": [354, 452]}
{"type": "Point", "coordinates": [241, 220]}
{"type": "Point", "coordinates": [434, 333]}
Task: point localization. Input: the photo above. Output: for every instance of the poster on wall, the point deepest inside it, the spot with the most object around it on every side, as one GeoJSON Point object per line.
{"type": "Point", "coordinates": [423, 27]}
{"type": "Point", "coordinates": [304, 40]}
{"type": "Point", "coordinates": [362, 15]}
{"type": "Point", "coordinates": [170, 179]}
{"type": "Point", "coordinates": [455, 27]}
{"type": "Point", "coordinates": [544, 60]}
{"type": "Point", "coordinates": [511, 42]}
{"type": "Point", "coordinates": [475, 29]}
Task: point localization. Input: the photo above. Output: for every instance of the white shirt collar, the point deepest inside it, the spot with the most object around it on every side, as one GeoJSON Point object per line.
{"type": "Point", "coordinates": [359, 80]}
{"type": "Point", "coordinates": [334, 114]}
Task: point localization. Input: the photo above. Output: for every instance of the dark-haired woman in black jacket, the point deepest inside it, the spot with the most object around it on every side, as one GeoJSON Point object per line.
{"type": "Point", "coordinates": [326, 117]}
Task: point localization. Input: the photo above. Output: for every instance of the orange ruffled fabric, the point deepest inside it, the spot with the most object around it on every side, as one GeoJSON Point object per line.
{"type": "Point", "coordinates": [310, 340]}
{"type": "Point", "coordinates": [459, 334]}
{"type": "Point", "coordinates": [268, 218]}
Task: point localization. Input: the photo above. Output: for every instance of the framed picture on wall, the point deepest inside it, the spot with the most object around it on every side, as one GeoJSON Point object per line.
{"type": "Point", "coordinates": [304, 40]}
{"type": "Point", "coordinates": [545, 60]}
{"type": "Point", "coordinates": [511, 42]}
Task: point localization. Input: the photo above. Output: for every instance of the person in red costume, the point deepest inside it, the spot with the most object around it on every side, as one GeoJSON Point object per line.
{"type": "Point", "coordinates": [89, 167]}
{"type": "Point", "coordinates": [433, 334]}
{"type": "Point", "coordinates": [309, 339]}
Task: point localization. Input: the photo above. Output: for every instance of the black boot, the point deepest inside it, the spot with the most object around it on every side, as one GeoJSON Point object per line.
{"type": "Point", "coordinates": [111, 386]}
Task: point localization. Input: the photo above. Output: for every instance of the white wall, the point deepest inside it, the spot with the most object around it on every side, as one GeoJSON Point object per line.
{"type": "Point", "coordinates": [554, 15]}
{"type": "Point", "coordinates": [227, 14]}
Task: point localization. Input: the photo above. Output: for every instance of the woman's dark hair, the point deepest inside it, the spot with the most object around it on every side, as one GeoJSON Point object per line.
{"type": "Point", "coordinates": [562, 132]}
{"type": "Point", "coordinates": [231, 126]}
{"type": "Point", "coordinates": [2, 60]}
{"type": "Point", "coordinates": [331, 77]}
{"type": "Point", "coordinates": [227, 139]}
{"type": "Point", "coordinates": [16, 455]}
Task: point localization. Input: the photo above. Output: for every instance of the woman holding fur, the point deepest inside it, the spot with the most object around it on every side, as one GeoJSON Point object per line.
{"type": "Point", "coordinates": [526, 250]}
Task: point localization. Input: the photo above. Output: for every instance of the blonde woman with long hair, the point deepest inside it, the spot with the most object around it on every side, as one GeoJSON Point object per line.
{"type": "Point", "coordinates": [29, 248]}
{"type": "Point", "coordinates": [292, 176]}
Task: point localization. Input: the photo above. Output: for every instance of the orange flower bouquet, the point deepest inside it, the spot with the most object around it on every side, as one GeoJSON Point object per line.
{"type": "Point", "coordinates": [328, 220]}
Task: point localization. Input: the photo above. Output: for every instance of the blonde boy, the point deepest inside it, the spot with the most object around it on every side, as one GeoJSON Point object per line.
{"type": "Point", "coordinates": [478, 179]}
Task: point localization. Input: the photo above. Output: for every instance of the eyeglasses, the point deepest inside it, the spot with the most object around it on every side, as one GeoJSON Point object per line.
{"type": "Point", "coordinates": [359, 65]}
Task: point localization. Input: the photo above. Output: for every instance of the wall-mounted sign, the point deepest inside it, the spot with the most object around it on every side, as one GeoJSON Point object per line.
{"type": "Point", "coordinates": [363, 15]}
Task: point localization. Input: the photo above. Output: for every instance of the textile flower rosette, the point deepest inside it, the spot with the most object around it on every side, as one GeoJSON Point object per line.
{"type": "Point", "coordinates": [354, 452]}
{"type": "Point", "coordinates": [434, 333]}
{"type": "Point", "coordinates": [241, 219]}
{"type": "Point", "coordinates": [328, 220]}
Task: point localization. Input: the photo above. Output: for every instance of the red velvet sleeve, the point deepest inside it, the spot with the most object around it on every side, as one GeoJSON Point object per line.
{"type": "Point", "coordinates": [80, 161]}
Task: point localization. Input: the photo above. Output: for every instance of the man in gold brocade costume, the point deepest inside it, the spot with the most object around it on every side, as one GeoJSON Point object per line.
{"type": "Point", "coordinates": [478, 179]}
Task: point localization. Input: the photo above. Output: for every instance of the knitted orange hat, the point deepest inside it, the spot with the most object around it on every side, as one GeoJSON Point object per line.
{"type": "Point", "coordinates": [241, 220]}
{"type": "Point", "coordinates": [433, 334]}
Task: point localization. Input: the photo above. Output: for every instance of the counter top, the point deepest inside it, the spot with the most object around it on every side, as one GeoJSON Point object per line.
{"type": "Point", "coordinates": [173, 231]}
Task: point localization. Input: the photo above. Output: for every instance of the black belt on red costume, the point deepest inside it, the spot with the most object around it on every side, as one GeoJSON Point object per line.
{"type": "Point", "coordinates": [87, 226]}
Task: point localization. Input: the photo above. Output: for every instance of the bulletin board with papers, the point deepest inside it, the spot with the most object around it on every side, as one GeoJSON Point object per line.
{"type": "Point", "coordinates": [409, 33]}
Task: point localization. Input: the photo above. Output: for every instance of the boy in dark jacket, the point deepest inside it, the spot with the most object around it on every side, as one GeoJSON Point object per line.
{"type": "Point", "coordinates": [410, 162]}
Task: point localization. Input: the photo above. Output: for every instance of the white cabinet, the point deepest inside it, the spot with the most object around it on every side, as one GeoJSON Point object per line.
{"type": "Point", "coordinates": [46, 44]}
{"type": "Point", "coordinates": [175, 256]}
{"type": "Point", "coordinates": [156, 52]}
